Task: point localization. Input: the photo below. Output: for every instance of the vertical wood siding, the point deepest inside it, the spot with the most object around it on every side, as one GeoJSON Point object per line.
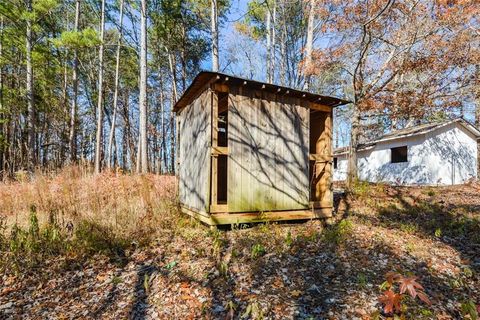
{"type": "Point", "coordinates": [195, 140]}
{"type": "Point", "coordinates": [268, 143]}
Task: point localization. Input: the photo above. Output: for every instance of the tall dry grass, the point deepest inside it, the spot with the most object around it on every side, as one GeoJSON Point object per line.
{"type": "Point", "coordinates": [104, 209]}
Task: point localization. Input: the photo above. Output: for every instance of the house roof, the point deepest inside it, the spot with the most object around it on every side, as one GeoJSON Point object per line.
{"type": "Point", "coordinates": [208, 77]}
{"type": "Point", "coordinates": [413, 131]}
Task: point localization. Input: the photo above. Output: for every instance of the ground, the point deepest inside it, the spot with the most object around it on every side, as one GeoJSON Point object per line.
{"type": "Point", "coordinates": [181, 269]}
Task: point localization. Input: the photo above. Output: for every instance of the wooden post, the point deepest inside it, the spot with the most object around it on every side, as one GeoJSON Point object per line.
{"type": "Point", "coordinates": [214, 175]}
{"type": "Point", "coordinates": [323, 190]}
{"type": "Point", "coordinates": [322, 193]}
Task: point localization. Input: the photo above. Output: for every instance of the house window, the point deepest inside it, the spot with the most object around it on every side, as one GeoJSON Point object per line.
{"type": "Point", "coordinates": [335, 163]}
{"type": "Point", "coordinates": [399, 154]}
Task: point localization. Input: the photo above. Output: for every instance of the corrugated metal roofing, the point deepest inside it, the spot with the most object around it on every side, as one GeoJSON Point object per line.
{"type": "Point", "coordinates": [207, 77]}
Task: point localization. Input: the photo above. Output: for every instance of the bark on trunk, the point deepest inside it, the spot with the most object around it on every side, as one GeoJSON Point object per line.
{"type": "Point", "coordinates": [115, 94]}
{"type": "Point", "coordinates": [214, 30]}
{"type": "Point", "coordinates": [477, 115]}
{"type": "Point", "coordinates": [172, 63]}
{"type": "Point", "coordinates": [143, 91]}
{"type": "Point", "coordinates": [352, 154]}
{"type": "Point", "coordinates": [72, 136]}
{"type": "Point", "coordinates": [99, 135]}
{"type": "Point", "coordinates": [30, 98]}
{"type": "Point", "coordinates": [163, 146]}
{"type": "Point", "coordinates": [269, 45]}
{"type": "Point", "coordinates": [309, 45]}
{"type": "Point", "coordinates": [3, 123]}
{"type": "Point", "coordinates": [272, 45]}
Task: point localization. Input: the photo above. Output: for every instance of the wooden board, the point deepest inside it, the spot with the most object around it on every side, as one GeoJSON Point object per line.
{"type": "Point", "coordinates": [321, 148]}
{"type": "Point", "coordinates": [194, 153]}
{"type": "Point", "coordinates": [254, 217]}
{"type": "Point", "coordinates": [268, 152]}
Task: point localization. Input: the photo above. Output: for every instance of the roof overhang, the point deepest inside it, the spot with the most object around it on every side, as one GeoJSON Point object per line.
{"type": "Point", "coordinates": [206, 78]}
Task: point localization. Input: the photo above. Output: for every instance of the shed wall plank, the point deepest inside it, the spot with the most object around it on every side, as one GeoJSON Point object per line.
{"type": "Point", "coordinates": [195, 141]}
{"type": "Point", "coordinates": [268, 152]}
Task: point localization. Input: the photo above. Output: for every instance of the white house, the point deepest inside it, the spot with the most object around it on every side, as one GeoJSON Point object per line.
{"type": "Point", "coordinates": [440, 153]}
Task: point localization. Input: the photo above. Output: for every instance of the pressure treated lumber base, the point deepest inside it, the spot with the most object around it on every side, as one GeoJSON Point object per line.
{"type": "Point", "coordinates": [215, 219]}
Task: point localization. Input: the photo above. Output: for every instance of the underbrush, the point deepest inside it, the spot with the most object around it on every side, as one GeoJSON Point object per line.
{"type": "Point", "coordinates": [75, 214]}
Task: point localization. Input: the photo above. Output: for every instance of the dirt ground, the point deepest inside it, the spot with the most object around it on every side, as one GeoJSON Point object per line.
{"type": "Point", "coordinates": [274, 271]}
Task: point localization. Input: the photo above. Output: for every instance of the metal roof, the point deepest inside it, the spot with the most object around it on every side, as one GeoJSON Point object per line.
{"type": "Point", "coordinates": [208, 77]}
{"type": "Point", "coordinates": [413, 131]}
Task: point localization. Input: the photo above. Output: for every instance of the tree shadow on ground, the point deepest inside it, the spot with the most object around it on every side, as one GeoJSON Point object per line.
{"type": "Point", "coordinates": [320, 280]}
{"type": "Point", "coordinates": [457, 225]}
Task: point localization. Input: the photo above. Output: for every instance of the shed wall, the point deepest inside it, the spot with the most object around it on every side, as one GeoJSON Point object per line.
{"type": "Point", "coordinates": [268, 144]}
{"type": "Point", "coordinates": [194, 153]}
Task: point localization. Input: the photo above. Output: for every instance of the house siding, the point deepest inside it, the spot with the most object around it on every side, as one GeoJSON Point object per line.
{"type": "Point", "coordinates": [444, 156]}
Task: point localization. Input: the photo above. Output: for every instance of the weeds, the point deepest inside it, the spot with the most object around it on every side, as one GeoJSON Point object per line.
{"type": "Point", "coordinates": [469, 308]}
{"type": "Point", "coordinates": [289, 239]}
{"type": "Point", "coordinates": [362, 280]}
{"type": "Point", "coordinates": [258, 250]}
{"type": "Point", "coordinates": [77, 214]}
{"type": "Point", "coordinates": [338, 233]}
{"type": "Point", "coordinates": [253, 311]}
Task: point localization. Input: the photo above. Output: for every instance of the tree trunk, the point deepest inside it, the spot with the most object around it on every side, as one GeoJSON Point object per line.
{"type": "Point", "coordinates": [272, 47]}
{"type": "Point", "coordinates": [283, 47]}
{"type": "Point", "coordinates": [352, 151]}
{"type": "Point", "coordinates": [30, 98]}
{"type": "Point", "coordinates": [184, 59]}
{"type": "Point", "coordinates": [214, 30]}
{"type": "Point", "coordinates": [99, 135]}
{"type": "Point", "coordinates": [309, 46]}
{"type": "Point", "coordinates": [477, 114]}
{"type": "Point", "coordinates": [115, 94]}
{"type": "Point", "coordinates": [172, 63]}
{"type": "Point", "coordinates": [72, 136]}
{"type": "Point", "coordinates": [128, 130]}
{"type": "Point", "coordinates": [163, 145]}
{"type": "Point", "coordinates": [269, 45]}
{"type": "Point", "coordinates": [143, 90]}
{"type": "Point", "coordinates": [3, 123]}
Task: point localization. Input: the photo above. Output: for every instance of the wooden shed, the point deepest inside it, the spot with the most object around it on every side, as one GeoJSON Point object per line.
{"type": "Point", "coordinates": [250, 151]}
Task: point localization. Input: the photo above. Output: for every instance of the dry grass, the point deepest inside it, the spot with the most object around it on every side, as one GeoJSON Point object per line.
{"type": "Point", "coordinates": [116, 200]}
{"type": "Point", "coordinates": [79, 212]}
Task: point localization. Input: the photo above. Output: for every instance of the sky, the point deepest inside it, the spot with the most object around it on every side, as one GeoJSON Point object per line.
{"type": "Point", "coordinates": [228, 39]}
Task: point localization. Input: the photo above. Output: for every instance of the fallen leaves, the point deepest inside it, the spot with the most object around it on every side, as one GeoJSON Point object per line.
{"type": "Point", "coordinates": [307, 279]}
{"type": "Point", "coordinates": [391, 301]}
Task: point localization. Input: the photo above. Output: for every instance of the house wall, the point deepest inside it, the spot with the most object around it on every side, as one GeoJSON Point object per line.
{"type": "Point", "coordinates": [268, 142]}
{"type": "Point", "coordinates": [340, 173]}
{"type": "Point", "coordinates": [194, 153]}
{"type": "Point", "coordinates": [444, 156]}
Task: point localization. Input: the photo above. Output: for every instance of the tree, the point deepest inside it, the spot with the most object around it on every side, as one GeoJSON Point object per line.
{"type": "Point", "coordinates": [72, 138]}
{"type": "Point", "coordinates": [266, 21]}
{"type": "Point", "coordinates": [214, 18]}
{"type": "Point", "coordinates": [99, 135]}
{"type": "Point", "coordinates": [309, 45]}
{"type": "Point", "coordinates": [381, 45]}
{"type": "Point", "coordinates": [142, 144]}
{"type": "Point", "coordinates": [115, 94]}
{"type": "Point", "coordinates": [30, 98]}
